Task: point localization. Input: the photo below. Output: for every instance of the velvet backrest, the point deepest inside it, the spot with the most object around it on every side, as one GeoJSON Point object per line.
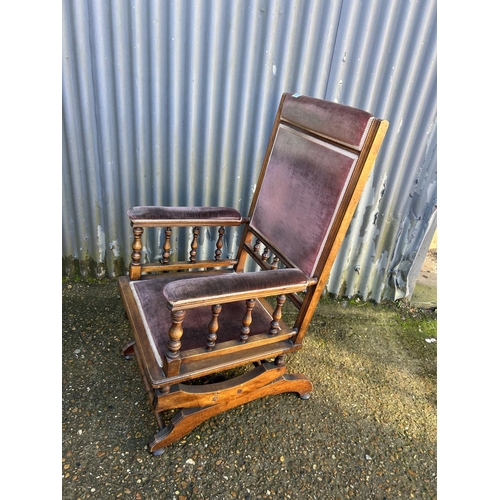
{"type": "Point", "coordinates": [314, 153]}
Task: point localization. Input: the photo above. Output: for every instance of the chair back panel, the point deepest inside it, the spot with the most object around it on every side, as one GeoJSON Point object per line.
{"type": "Point", "coordinates": [306, 175]}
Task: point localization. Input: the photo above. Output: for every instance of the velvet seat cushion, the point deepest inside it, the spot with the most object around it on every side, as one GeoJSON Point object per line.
{"type": "Point", "coordinates": [198, 215]}
{"type": "Point", "coordinates": [157, 317]}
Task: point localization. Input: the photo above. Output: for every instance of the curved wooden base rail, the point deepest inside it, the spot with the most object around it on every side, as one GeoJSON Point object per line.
{"type": "Point", "coordinates": [200, 404]}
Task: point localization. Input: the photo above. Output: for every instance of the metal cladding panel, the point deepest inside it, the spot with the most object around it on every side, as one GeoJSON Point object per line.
{"type": "Point", "coordinates": [385, 62]}
{"type": "Point", "coordinates": [172, 103]}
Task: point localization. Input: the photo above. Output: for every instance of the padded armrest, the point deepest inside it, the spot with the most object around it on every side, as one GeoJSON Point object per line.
{"type": "Point", "coordinates": [181, 216]}
{"type": "Point", "coordinates": [210, 290]}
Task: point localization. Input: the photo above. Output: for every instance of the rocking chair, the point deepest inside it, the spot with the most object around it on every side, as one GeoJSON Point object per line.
{"type": "Point", "coordinates": [197, 318]}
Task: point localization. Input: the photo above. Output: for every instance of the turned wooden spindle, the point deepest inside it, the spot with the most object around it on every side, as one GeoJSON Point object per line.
{"type": "Point", "coordinates": [134, 269]}
{"type": "Point", "coordinates": [167, 246]}
{"type": "Point", "coordinates": [247, 320]}
{"type": "Point", "coordinates": [275, 263]}
{"type": "Point", "coordinates": [137, 246]}
{"type": "Point", "coordinates": [274, 329]}
{"type": "Point", "coordinates": [265, 254]}
{"type": "Point", "coordinates": [194, 244]}
{"type": "Point", "coordinates": [219, 243]}
{"type": "Point", "coordinates": [213, 326]}
{"type": "Point", "coordinates": [175, 334]}
{"type": "Point", "coordinates": [256, 246]}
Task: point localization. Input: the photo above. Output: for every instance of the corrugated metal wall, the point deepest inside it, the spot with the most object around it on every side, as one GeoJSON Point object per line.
{"type": "Point", "coordinates": [172, 102]}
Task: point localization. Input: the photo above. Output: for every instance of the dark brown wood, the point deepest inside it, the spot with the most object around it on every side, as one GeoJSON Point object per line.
{"type": "Point", "coordinates": [165, 374]}
{"type": "Point", "coordinates": [135, 264]}
{"type": "Point", "coordinates": [242, 391]}
{"type": "Point", "coordinates": [128, 350]}
{"type": "Point", "coordinates": [172, 359]}
{"type": "Point", "coordinates": [265, 254]}
{"type": "Point", "coordinates": [191, 369]}
{"type": "Point", "coordinates": [213, 326]}
{"type": "Point", "coordinates": [231, 347]}
{"type": "Point", "coordinates": [246, 248]}
{"type": "Point", "coordinates": [150, 391]}
{"type": "Point", "coordinates": [167, 246]}
{"type": "Point", "coordinates": [189, 396]}
{"type": "Point", "coordinates": [247, 321]}
{"type": "Point", "coordinates": [256, 256]}
{"type": "Point", "coordinates": [187, 222]}
{"type": "Point", "coordinates": [149, 267]}
{"type": "Point", "coordinates": [280, 360]}
{"type": "Point", "coordinates": [275, 325]}
{"type": "Point", "coordinates": [245, 242]}
{"type": "Point", "coordinates": [173, 356]}
{"type": "Point", "coordinates": [142, 348]}
{"type": "Point", "coordinates": [175, 334]}
{"type": "Point", "coordinates": [194, 244]}
{"type": "Point", "coordinates": [219, 243]}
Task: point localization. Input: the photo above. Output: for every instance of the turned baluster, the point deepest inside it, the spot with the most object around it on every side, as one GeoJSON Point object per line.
{"type": "Point", "coordinates": [167, 246]}
{"type": "Point", "coordinates": [256, 246]}
{"type": "Point", "coordinates": [135, 264]}
{"type": "Point", "coordinates": [172, 360]}
{"type": "Point", "coordinates": [247, 320]}
{"type": "Point", "coordinates": [175, 334]}
{"type": "Point", "coordinates": [194, 244]}
{"type": "Point", "coordinates": [265, 254]}
{"type": "Point", "coordinates": [275, 263]}
{"type": "Point", "coordinates": [219, 243]}
{"type": "Point", "coordinates": [137, 246]}
{"type": "Point", "coordinates": [213, 326]}
{"type": "Point", "coordinates": [280, 300]}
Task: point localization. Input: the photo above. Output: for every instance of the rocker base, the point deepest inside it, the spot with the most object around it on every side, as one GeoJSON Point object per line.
{"type": "Point", "coordinates": [225, 395]}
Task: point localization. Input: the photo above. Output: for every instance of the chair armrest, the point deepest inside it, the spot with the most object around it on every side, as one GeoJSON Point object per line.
{"type": "Point", "coordinates": [155, 216]}
{"type": "Point", "coordinates": [210, 290]}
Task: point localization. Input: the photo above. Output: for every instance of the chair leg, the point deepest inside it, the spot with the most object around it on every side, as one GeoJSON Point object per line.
{"type": "Point", "coordinates": [234, 393]}
{"type": "Point", "coordinates": [128, 350]}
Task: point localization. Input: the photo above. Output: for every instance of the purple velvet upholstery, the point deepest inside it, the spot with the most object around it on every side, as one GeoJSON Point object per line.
{"type": "Point", "coordinates": [297, 203]}
{"type": "Point", "coordinates": [299, 197]}
{"type": "Point", "coordinates": [343, 124]}
{"type": "Point", "coordinates": [157, 317]}
{"type": "Point", "coordinates": [196, 214]}
{"type": "Point", "coordinates": [188, 293]}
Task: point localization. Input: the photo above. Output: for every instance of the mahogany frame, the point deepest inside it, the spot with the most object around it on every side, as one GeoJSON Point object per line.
{"type": "Point", "coordinates": [166, 383]}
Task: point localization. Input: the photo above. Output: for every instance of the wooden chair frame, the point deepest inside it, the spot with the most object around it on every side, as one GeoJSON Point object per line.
{"type": "Point", "coordinates": [168, 373]}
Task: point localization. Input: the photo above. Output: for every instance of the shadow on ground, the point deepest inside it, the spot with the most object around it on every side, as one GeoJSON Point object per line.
{"type": "Point", "coordinates": [368, 431]}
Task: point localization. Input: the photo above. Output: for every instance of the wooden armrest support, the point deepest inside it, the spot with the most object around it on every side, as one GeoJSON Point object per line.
{"type": "Point", "coordinates": [155, 216]}
{"type": "Point", "coordinates": [212, 290]}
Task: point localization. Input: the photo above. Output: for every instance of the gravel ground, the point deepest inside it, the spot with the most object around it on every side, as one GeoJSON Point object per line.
{"type": "Point", "coordinates": [368, 431]}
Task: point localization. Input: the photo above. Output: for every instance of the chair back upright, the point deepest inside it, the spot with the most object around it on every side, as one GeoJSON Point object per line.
{"type": "Point", "coordinates": [314, 150]}
{"type": "Point", "coordinates": [318, 160]}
